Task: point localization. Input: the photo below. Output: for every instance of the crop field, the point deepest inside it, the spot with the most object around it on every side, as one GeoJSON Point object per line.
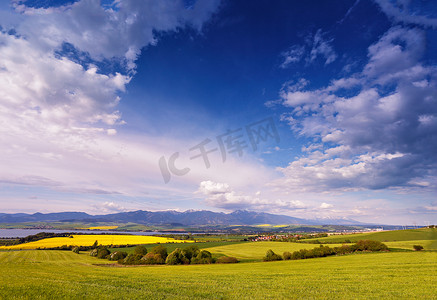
{"type": "Point", "coordinates": [88, 240]}
{"type": "Point", "coordinates": [429, 234]}
{"type": "Point", "coordinates": [63, 274]}
{"type": "Point", "coordinates": [252, 251]}
{"type": "Point", "coordinates": [102, 227]}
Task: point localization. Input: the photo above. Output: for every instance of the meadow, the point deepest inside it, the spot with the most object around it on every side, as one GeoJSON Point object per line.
{"type": "Point", "coordinates": [89, 239]}
{"type": "Point", "coordinates": [385, 236]}
{"type": "Point", "coordinates": [44, 274]}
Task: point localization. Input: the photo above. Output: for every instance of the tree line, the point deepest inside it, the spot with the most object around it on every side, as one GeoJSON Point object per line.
{"type": "Point", "coordinates": [323, 251]}
{"type": "Point", "coordinates": [158, 255]}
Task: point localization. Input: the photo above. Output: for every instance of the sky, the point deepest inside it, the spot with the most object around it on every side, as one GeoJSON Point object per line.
{"type": "Point", "coordinates": [312, 109]}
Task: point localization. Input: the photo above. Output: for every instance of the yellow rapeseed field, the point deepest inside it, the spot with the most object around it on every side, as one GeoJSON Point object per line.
{"type": "Point", "coordinates": [88, 240]}
{"type": "Point", "coordinates": [102, 227]}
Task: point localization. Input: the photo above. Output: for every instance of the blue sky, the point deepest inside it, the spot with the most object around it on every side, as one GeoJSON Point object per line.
{"type": "Point", "coordinates": [97, 98]}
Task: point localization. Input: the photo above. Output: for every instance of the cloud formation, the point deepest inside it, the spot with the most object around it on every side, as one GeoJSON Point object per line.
{"type": "Point", "coordinates": [383, 135]}
{"type": "Point", "coordinates": [58, 108]}
{"type": "Point", "coordinates": [222, 196]}
{"type": "Point", "coordinates": [315, 47]}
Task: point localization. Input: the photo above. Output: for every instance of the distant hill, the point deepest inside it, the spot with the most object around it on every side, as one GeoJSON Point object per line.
{"type": "Point", "coordinates": [187, 218]}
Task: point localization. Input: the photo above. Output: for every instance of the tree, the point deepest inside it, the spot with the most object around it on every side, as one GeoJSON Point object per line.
{"type": "Point", "coordinates": [103, 253]}
{"type": "Point", "coordinates": [204, 257]}
{"type": "Point", "coordinates": [418, 247]}
{"type": "Point", "coordinates": [94, 246]}
{"type": "Point", "coordinates": [161, 250]}
{"type": "Point", "coordinates": [271, 256]}
{"type": "Point", "coordinates": [191, 251]}
{"type": "Point", "coordinates": [117, 255]}
{"type": "Point", "coordinates": [286, 255]}
{"type": "Point", "coordinates": [177, 258]}
{"type": "Point", "coordinates": [93, 252]}
{"type": "Point", "coordinates": [153, 259]}
{"type": "Point", "coordinates": [132, 259]}
{"type": "Point", "coordinates": [141, 250]}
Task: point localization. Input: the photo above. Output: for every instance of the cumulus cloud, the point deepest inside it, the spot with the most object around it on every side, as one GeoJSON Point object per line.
{"type": "Point", "coordinates": [118, 31]}
{"type": "Point", "coordinates": [109, 207]}
{"type": "Point", "coordinates": [222, 196]}
{"type": "Point", "coordinates": [326, 205]}
{"type": "Point", "coordinates": [382, 136]}
{"type": "Point", "coordinates": [58, 108]}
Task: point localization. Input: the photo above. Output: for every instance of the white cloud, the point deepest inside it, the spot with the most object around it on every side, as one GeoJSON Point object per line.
{"type": "Point", "coordinates": [110, 207]}
{"type": "Point", "coordinates": [222, 196]}
{"type": "Point", "coordinates": [292, 55]}
{"type": "Point", "coordinates": [407, 13]}
{"type": "Point", "coordinates": [106, 33]}
{"type": "Point", "coordinates": [322, 47]}
{"type": "Point", "coordinates": [326, 205]}
{"type": "Point", "coordinates": [315, 47]}
{"type": "Point", "coordinates": [380, 137]}
{"type": "Point", "coordinates": [58, 112]}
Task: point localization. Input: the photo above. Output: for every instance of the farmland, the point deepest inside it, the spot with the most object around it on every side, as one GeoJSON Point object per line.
{"type": "Point", "coordinates": [396, 239]}
{"type": "Point", "coordinates": [68, 275]}
{"type": "Point", "coordinates": [88, 240]}
{"type": "Point", "coordinates": [64, 274]}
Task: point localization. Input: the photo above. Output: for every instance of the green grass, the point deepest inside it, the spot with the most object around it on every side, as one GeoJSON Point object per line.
{"type": "Point", "coordinates": [385, 236]}
{"type": "Point", "coordinates": [63, 274]}
{"type": "Point", "coordinates": [255, 251]}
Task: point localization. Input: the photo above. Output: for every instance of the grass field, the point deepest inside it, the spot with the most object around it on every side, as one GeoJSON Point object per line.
{"type": "Point", "coordinates": [255, 251]}
{"type": "Point", "coordinates": [88, 240]}
{"type": "Point", "coordinates": [63, 274]}
{"type": "Point", "coordinates": [422, 234]}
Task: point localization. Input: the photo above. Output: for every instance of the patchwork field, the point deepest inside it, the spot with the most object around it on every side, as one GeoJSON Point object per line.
{"type": "Point", "coordinates": [426, 236]}
{"type": "Point", "coordinates": [63, 274]}
{"type": "Point", "coordinates": [88, 240]}
{"type": "Point", "coordinates": [252, 251]}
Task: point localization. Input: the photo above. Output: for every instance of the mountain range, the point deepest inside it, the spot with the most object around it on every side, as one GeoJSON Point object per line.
{"type": "Point", "coordinates": [187, 218]}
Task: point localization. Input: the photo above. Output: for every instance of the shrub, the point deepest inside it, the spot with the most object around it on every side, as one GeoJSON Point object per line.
{"type": "Point", "coordinates": [227, 260]}
{"type": "Point", "coordinates": [344, 249]}
{"type": "Point", "coordinates": [418, 247]}
{"type": "Point", "coordinates": [141, 250]}
{"type": "Point", "coordinates": [368, 245]}
{"type": "Point", "coordinates": [271, 256]}
{"type": "Point", "coordinates": [177, 258]}
{"type": "Point", "coordinates": [152, 259]}
{"type": "Point", "coordinates": [191, 251]}
{"type": "Point", "coordinates": [103, 253]}
{"type": "Point", "coordinates": [132, 259]}
{"type": "Point", "coordinates": [117, 255]}
{"type": "Point", "coordinates": [204, 257]}
{"type": "Point", "coordinates": [76, 250]}
{"type": "Point", "coordinates": [93, 252]}
{"type": "Point", "coordinates": [161, 250]}
{"type": "Point", "coordinates": [286, 255]}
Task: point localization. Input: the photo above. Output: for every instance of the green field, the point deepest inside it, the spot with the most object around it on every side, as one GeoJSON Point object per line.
{"type": "Point", "coordinates": [422, 234]}
{"type": "Point", "coordinates": [63, 274]}
{"type": "Point", "coordinates": [255, 251]}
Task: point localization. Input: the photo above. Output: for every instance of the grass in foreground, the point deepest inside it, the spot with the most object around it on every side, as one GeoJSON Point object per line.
{"type": "Point", "coordinates": [63, 274]}
{"type": "Point", "coordinates": [88, 240]}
